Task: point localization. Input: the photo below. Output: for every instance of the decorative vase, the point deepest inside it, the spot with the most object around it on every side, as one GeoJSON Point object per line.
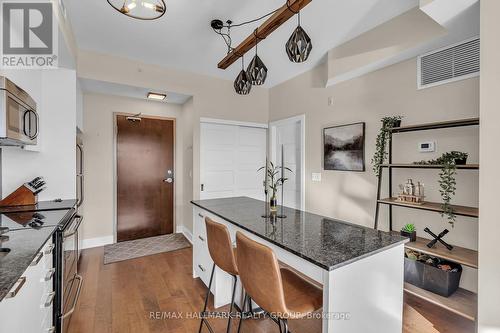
{"type": "Point", "coordinates": [273, 204]}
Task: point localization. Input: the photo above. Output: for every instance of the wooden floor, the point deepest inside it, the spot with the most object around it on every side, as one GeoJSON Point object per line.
{"type": "Point", "coordinates": [126, 296]}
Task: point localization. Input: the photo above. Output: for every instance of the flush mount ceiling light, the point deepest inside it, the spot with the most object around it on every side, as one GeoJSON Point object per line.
{"type": "Point", "coordinates": [140, 9]}
{"type": "Point", "coordinates": [156, 96]}
{"type": "Point", "coordinates": [242, 84]}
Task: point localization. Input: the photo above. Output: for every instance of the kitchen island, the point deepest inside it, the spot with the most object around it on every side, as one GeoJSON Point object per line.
{"type": "Point", "coordinates": [359, 268]}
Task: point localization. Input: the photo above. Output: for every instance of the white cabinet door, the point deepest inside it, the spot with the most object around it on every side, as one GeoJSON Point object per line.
{"type": "Point", "coordinates": [230, 156]}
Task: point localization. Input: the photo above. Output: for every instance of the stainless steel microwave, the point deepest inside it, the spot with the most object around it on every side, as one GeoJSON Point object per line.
{"type": "Point", "coordinates": [19, 124]}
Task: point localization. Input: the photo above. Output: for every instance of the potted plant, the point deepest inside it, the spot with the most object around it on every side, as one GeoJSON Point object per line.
{"type": "Point", "coordinates": [447, 182]}
{"type": "Point", "coordinates": [409, 231]}
{"type": "Point", "coordinates": [273, 181]}
{"type": "Point", "coordinates": [380, 154]}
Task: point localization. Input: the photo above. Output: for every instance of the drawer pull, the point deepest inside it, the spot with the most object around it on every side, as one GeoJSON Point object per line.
{"type": "Point", "coordinates": [50, 299]}
{"type": "Point", "coordinates": [50, 274]}
{"type": "Point", "coordinates": [37, 259]}
{"type": "Point", "coordinates": [20, 283]}
{"type": "Point", "coordinates": [200, 215]}
{"type": "Point", "coordinates": [50, 249]}
{"type": "Point", "coordinates": [201, 238]}
{"type": "Point", "coordinates": [201, 267]}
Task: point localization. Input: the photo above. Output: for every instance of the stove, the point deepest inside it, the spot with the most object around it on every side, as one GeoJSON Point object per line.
{"type": "Point", "coordinates": [30, 220]}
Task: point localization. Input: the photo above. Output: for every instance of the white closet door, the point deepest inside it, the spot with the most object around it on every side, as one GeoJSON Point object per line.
{"type": "Point", "coordinates": [229, 158]}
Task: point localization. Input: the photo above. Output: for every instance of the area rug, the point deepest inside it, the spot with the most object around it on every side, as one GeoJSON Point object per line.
{"type": "Point", "coordinates": [144, 247]}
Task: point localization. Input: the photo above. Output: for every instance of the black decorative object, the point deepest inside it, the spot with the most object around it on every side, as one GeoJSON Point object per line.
{"type": "Point", "coordinates": [299, 45]}
{"type": "Point", "coordinates": [141, 10]}
{"type": "Point", "coordinates": [257, 71]}
{"type": "Point", "coordinates": [438, 238]}
{"type": "Point", "coordinates": [242, 84]}
{"type": "Point", "coordinates": [344, 147]}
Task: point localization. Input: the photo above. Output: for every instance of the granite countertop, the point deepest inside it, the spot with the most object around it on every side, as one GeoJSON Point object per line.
{"type": "Point", "coordinates": [325, 242]}
{"type": "Point", "coordinates": [23, 245]}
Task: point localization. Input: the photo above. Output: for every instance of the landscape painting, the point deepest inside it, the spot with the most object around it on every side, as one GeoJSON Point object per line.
{"type": "Point", "coordinates": [344, 147]}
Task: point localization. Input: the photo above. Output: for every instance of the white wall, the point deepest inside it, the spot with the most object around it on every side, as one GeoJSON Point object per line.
{"type": "Point", "coordinates": [489, 183]}
{"type": "Point", "coordinates": [187, 119]}
{"type": "Point", "coordinates": [351, 196]}
{"type": "Point", "coordinates": [98, 140]}
{"type": "Point", "coordinates": [54, 92]}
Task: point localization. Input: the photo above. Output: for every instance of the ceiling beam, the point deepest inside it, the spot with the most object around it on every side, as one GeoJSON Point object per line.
{"type": "Point", "coordinates": [277, 19]}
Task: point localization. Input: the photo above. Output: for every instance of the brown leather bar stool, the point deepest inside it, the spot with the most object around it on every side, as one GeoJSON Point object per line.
{"type": "Point", "coordinates": [223, 254]}
{"type": "Point", "coordinates": [280, 292]}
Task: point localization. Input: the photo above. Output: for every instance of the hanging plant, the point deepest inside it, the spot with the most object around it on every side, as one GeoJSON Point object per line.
{"type": "Point", "coordinates": [447, 181]}
{"type": "Point", "coordinates": [380, 154]}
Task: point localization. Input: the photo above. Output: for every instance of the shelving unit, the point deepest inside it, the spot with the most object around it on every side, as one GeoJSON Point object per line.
{"type": "Point", "coordinates": [462, 302]}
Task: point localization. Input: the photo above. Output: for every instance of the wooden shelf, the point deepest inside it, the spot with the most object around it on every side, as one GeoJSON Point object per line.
{"type": "Point", "coordinates": [433, 206]}
{"type": "Point", "coordinates": [462, 302]}
{"type": "Point", "coordinates": [419, 166]}
{"type": "Point", "coordinates": [460, 255]}
{"type": "Point", "coordinates": [437, 125]}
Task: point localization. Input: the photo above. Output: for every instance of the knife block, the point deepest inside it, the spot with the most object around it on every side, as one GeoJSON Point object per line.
{"type": "Point", "coordinates": [23, 196]}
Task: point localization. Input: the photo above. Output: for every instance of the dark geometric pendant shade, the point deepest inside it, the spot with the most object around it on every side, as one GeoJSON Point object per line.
{"type": "Point", "coordinates": [257, 71]}
{"type": "Point", "coordinates": [242, 84]}
{"type": "Point", "coordinates": [299, 46]}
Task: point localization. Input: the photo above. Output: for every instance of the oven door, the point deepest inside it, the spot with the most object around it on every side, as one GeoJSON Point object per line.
{"type": "Point", "coordinates": [71, 282]}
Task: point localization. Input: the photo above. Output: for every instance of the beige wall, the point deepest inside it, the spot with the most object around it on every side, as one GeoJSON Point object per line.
{"type": "Point", "coordinates": [351, 196]}
{"type": "Point", "coordinates": [489, 251]}
{"type": "Point", "coordinates": [98, 140]}
{"type": "Point", "coordinates": [213, 98]}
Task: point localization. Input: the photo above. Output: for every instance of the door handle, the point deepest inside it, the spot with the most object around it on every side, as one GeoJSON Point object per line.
{"type": "Point", "coordinates": [168, 180]}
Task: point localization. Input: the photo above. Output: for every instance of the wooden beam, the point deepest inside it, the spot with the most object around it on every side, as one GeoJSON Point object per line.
{"type": "Point", "coordinates": [265, 29]}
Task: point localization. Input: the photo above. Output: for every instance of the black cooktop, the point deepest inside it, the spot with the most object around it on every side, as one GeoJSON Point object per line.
{"type": "Point", "coordinates": [41, 206]}
{"type": "Point", "coordinates": [30, 220]}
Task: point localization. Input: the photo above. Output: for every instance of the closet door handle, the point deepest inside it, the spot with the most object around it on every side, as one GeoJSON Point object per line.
{"type": "Point", "coordinates": [201, 267]}
{"type": "Point", "coordinates": [201, 238]}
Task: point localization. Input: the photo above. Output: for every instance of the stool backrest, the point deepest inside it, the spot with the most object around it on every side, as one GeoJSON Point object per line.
{"type": "Point", "coordinates": [220, 246]}
{"type": "Point", "coordinates": [260, 274]}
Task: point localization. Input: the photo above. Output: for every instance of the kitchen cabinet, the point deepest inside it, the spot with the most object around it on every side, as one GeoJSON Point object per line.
{"type": "Point", "coordinates": [28, 306]}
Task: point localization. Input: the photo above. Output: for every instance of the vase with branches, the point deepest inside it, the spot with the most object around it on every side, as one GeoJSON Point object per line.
{"type": "Point", "coordinates": [274, 181]}
{"type": "Point", "coordinates": [380, 154]}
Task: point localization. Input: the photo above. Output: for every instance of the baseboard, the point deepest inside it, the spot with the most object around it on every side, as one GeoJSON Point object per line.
{"type": "Point", "coordinates": [186, 232]}
{"type": "Point", "coordinates": [95, 242]}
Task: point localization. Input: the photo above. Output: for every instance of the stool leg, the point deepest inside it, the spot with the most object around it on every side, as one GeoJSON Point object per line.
{"type": "Point", "coordinates": [285, 324]}
{"type": "Point", "coordinates": [241, 311]}
{"type": "Point", "coordinates": [232, 304]}
{"type": "Point", "coordinates": [206, 298]}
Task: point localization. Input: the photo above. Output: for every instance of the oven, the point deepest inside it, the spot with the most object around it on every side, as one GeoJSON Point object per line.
{"type": "Point", "coordinates": [19, 122]}
{"type": "Point", "coordinates": [68, 282]}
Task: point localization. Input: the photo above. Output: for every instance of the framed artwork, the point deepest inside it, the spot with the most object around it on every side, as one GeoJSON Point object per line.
{"type": "Point", "coordinates": [344, 147]}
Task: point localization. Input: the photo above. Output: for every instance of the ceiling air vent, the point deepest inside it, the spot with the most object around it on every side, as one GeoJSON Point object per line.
{"type": "Point", "coordinates": [452, 63]}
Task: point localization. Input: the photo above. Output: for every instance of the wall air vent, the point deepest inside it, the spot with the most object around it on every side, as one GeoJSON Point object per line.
{"type": "Point", "coordinates": [452, 63]}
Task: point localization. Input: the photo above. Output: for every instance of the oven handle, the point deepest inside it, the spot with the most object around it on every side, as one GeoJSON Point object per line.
{"type": "Point", "coordinates": [77, 296]}
{"type": "Point", "coordinates": [75, 229]}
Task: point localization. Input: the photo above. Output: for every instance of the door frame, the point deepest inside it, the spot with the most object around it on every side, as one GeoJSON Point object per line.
{"type": "Point", "coordinates": [301, 119]}
{"type": "Point", "coordinates": [115, 167]}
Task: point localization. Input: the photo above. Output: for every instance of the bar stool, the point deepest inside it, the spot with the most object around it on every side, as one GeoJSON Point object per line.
{"type": "Point", "coordinates": [223, 254]}
{"type": "Point", "coordinates": [280, 292]}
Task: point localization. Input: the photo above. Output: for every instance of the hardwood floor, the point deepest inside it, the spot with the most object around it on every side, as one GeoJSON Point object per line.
{"type": "Point", "coordinates": [132, 295]}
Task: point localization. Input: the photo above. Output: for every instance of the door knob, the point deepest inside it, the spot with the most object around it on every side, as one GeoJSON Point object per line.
{"type": "Point", "coordinates": [168, 180]}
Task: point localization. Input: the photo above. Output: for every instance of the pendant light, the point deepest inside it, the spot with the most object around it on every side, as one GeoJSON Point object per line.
{"type": "Point", "coordinates": [257, 71]}
{"type": "Point", "coordinates": [299, 44]}
{"type": "Point", "coordinates": [140, 9]}
{"type": "Point", "coordinates": [242, 84]}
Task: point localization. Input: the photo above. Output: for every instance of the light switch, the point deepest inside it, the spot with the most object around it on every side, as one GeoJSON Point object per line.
{"type": "Point", "coordinates": [316, 177]}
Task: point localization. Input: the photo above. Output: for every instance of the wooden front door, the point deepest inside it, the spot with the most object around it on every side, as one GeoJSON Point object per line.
{"type": "Point", "coordinates": [145, 188]}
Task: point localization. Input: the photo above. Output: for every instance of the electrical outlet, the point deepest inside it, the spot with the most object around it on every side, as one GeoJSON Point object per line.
{"type": "Point", "coordinates": [316, 177]}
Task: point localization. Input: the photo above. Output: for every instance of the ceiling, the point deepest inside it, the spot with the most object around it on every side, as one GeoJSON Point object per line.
{"type": "Point", "coordinates": [182, 39]}
{"type": "Point", "coordinates": [108, 88]}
